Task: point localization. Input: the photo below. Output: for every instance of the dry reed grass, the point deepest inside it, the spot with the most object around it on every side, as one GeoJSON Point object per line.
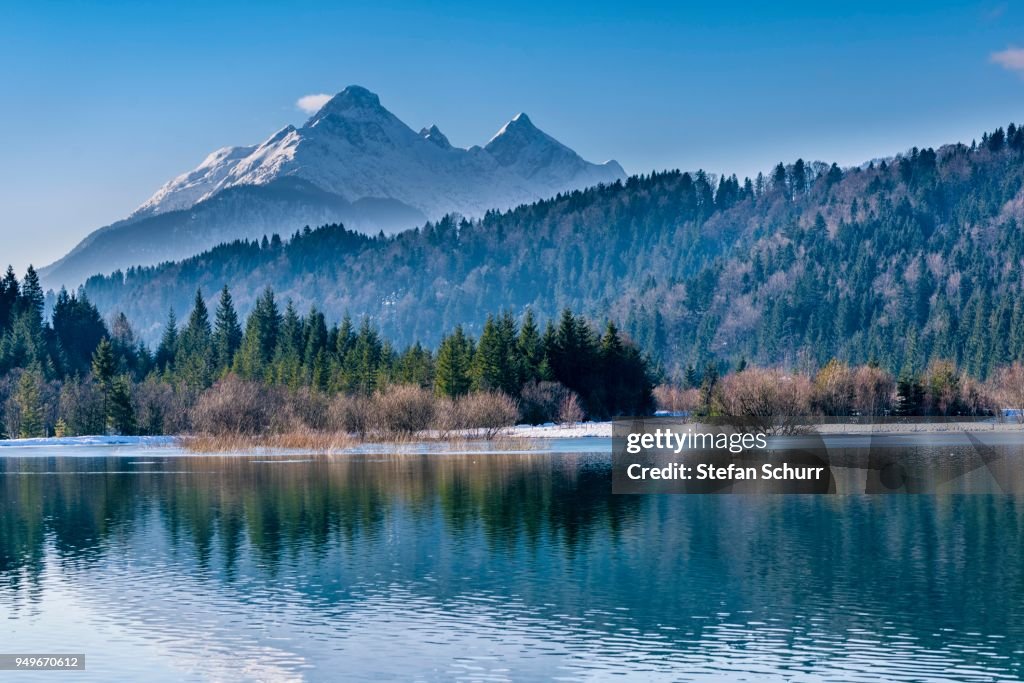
{"type": "Point", "coordinates": [297, 440]}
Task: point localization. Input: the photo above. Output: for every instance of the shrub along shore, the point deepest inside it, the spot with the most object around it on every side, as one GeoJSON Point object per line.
{"type": "Point", "coordinates": [784, 400]}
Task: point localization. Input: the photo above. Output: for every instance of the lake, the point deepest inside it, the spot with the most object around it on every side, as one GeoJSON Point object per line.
{"type": "Point", "coordinates": [492, 567]}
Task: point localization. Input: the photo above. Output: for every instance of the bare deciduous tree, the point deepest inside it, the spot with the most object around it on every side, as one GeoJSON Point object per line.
{"type": "Point", "coordinates": [774, 401]}
{"type": "Point", "coordinates": [570, 411]}
{"type": "Point", "coordinates": [1008, 385]}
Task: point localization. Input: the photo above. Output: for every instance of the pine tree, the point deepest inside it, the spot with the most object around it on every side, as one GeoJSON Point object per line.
{"type": "Point", "coordinates": [690, 377]}
{"type": "Point", "coordinates": [9, 292]}
{"type": "Point", "coordinates": [103, 367]}
{"type": "Point", "coordinates": [980, 341]}
{"type": "Point", "coordinates": [415, 366]}
{"type": "Point", "coordinates": [121, 410]}
{"type": "Point", "coordinates": [193, 361]}
{"type": "Point", "coordinates": [363, 361]}
{"type": "Point", "coordinates": [168, 347]}
{"type": "Point", "coordinates": [103, 374]}
{"type": "Point", "coordinates": [486, 369]}
{"type": "Point", "coordinates": [510, 376]}
{"type": "Point", "coordinates": [78, 328]}
{"type": "Point", "coordinates": [614, 387]}
{"type": "Point", "coordinates": [909, 396]}
{"type": "Point", "coordinates": [314, 357]}
{"type": "Point", "coordinates": [708, 389]}
{"type": "Point", "coordinates": [454, 358]}
{"type": "Point", "coordinates": [32, 300]}
{"type": "Point", "coordinates": [573, 355]}
{"type": "Point", "coordinates": [346, 337]}
{"type": "Point", "coordinates": [798, 181]}
{"type": "Point", "coordinates": [256, 352]}
{"type": "Point", "coordinates": [29, 402]}
{"type": "Point", "coordinates": [289, 352]}
{"type": "Point", "coordinates": [779, 179]}
{"type": "Point", "coordinates": [227, 333]}
{"type": "Point", "coordinates": [530, 349]}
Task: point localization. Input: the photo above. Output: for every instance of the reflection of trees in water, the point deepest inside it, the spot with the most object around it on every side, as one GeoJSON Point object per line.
{"type": "Point", "coordinates": [79, 511]}
{"type": "Point", "coordinates": [281, 510]}
{"type": "Point", "coordinates": [540, 527]}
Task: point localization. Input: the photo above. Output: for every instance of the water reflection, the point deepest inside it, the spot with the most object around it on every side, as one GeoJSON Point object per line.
{"type": "Point", "coordinates": [503, 567]}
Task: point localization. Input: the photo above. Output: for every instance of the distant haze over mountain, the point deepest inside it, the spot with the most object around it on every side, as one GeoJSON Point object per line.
{"type": "Point", "coordinates": [353, 162]}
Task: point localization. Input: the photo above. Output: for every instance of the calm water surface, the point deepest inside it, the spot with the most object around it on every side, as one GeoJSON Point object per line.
{"type": "Point", "coordinates": [490, 567]}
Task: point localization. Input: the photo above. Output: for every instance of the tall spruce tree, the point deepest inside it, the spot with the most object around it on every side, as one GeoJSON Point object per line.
{"type": "Point", "coordinates": [30, 407]}
{"type": "Point", "coordinates": [259, 343]}
{"type": "Point", "coordinates": [227, 333]}
{"type": "Point", "coordinates": [288, 355]}
{"type": "Point", "coordinates": [454, 359]}
{"type": "Point", "coordinates": [121, 411]}
{"type": "Point", "coordinates": [530, 349]}
{"type": "Point", "coordinates": [315, 353]}
{"type": "Point", "coordinates": [168, 347]}
{"type": "Point", "coordinates": [9, 292]}
{"type": "Point", "coordinates": [194, 359]}
{"type": "Point", "coordinates": [486, 368]}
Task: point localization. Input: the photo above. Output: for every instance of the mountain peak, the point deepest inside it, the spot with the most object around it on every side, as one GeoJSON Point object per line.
{"type": "Point", "coordinates": [355, 95]}
{"type": "Point", "coordinates": [352, 100]}
{"type": "Point", "coordinates": [351, 158]}
{"type": "Point", "coordinates": [520, 127]}
{"type": "Point", "coordinates": [521, 119]}
{"type": "Point", "coordinates": [434, 134]}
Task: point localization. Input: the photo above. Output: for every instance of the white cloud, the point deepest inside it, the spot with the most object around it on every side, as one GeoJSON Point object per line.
{"type": "Point", "coordinates": [1011, 59]}
{"type": "Point", "coordinates": [311, 103]}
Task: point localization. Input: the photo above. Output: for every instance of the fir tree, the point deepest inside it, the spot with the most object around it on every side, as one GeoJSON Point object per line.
{"type": "Point", "coordinates": [103, 367]}
{"type": "Point", "coordinates": [31, 301]}
{"type": "Point", "coordinates": [454, 359]}
{"type": "Point", "coordinates": [227, 333]}
{"type": "Point", "coordinates": [168, 347]}
{"type": "Point", "coordinates": [259, 343]}
{"type": "Point", "coordinates": [193, 361]}
{"type": "Point", "coordinates": [9, 293]}
{"type": "Point", "coordinates": [290, 349]}
{"type": "Point", "coordinates": [315, 352]}
{"type": "Point", "coordinates": [121, 410]}
{"type": "Point", "coordinates": [530, 349]}
{"type": "Point", "coordinates": [27, 397]}
{"type": "Point", "coordinates": [488, 361]}
{"type": "Point", "coordinates": [363, 361]}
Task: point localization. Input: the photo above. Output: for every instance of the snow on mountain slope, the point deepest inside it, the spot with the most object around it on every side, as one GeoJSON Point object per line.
{"type": "Point", "coordinates": [355, 148]}
{"type": "Point", "coordinates": [355, 153]}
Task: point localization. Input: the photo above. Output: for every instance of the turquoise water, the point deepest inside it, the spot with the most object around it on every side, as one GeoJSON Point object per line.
{"type": "Point", "coordinates": [491, 567]}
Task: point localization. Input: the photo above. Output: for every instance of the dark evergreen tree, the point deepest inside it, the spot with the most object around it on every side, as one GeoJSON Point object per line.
{"type": "Point", "coordinates": [530, 349]}
{"type": "Point", "coordinates": [259, 343]}
{"type": "Point", "coordinates": [194, 358]}
{"type": "Point", "coordinates": [454, 360]}
{"type": "Point", "coordinates": [121, 409]}
{"type": "Point", "coordinates": [168, 348]}
{"type": "Point", "coordinates": [227, 333]}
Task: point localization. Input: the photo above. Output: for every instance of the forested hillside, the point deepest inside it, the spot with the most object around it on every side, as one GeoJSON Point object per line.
{"type": "Point", "coordinates": [900, 262]}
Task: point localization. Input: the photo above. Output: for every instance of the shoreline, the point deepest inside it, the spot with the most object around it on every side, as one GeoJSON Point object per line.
{"type": "Point", "coordinates": [540, 433]}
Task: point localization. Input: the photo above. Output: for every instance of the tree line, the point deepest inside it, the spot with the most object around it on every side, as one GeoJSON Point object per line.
{"type": "Point", "coordinates": [897, 262]}
{"type": "Point", "coordinates": [76, 374]}
{"type": "Point", "coordinates": [838, 389]}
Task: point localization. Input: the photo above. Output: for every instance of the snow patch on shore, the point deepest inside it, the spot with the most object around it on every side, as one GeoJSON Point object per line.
{"type": "Point", "coordinates": [553, 431]}
{"type": "Point", "coordinates": [144, 441]}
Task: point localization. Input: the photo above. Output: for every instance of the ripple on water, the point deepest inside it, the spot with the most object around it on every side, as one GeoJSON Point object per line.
{"type": "Point", "coordinates": [507, 569]}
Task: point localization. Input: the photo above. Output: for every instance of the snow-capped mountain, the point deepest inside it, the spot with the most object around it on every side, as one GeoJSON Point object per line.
{"type": "Point", "coordinates": [354, 162]}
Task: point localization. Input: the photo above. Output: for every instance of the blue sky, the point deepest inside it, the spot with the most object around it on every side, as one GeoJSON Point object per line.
{"type": "Point", "coordinates": [104, 102]}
